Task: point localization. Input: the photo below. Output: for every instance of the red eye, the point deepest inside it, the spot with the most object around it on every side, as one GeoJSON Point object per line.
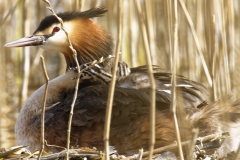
{"type": "Point", "coordinates": [55, 29]}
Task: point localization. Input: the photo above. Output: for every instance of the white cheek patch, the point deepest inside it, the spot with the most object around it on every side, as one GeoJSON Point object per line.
{"type": "Point", "coordinates": [58, 41]}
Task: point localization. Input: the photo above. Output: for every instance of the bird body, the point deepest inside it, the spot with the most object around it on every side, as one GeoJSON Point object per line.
{"type": "Point", "coordinates": [130, 121]}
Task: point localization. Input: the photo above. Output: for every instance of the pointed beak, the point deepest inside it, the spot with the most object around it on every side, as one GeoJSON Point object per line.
{"type": "Point", "coordinates": [33, 40]}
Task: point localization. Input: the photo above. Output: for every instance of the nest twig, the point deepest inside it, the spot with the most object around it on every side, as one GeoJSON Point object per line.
{"type": "Point", "coordinates": [43, 107]}
{"type": "Point", "coordinates": [78, 75]}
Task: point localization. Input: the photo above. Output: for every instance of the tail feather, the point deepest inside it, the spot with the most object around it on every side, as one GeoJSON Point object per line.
{"type": "Point", "coordinates": [223, 115]}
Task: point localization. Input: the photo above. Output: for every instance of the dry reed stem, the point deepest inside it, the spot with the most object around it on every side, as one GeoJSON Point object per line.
{"type": "Point", "coordinates": [113, 82]}
{"type": "Point", "coordinates": [169, 27]}
{"type": "Point", "coordinates": [152, 82]}
{"type": "Point", "coordinates": [43, 106]}
{"type": "Point", "coordinates": [186, 143]}
{"type": "Point", "coordinates": [77, 81]}
{"type": "Point", "coordinates": [11, 151]}
{"type": "Point", "coordinates": [140, 154]}
{"type": "Point", "coordinates": [174, 72]}
{"type": "Point", "coordinates": [192, 143]}
{"type": "Point", "coordinates": [214, 91]}
{"type": "Point", "coordinates": [225, 54]}
{"type": "Point", "coordinates": [231, 41]}
{"type": "Point", "coordinates": [30, 155]}
{"type": "Point", "coordinates": [150, 30]}
{"type": "Point", "coordinates": [10, 12]}
{"type": "Point", "coordinates": [196, 41]}
{"type": "Point", "coordinates": [79, 5]}
{"type": "Point", "coordinates": [76, 153]}
{"type": "Point", "coordinates": [218, 48]}
{"type": "Point", "coordinates": [25, 57]}
{"type": "Point", "coordinates": [52, 145]}
{"type": "Point", "coordinates": [133, 34]}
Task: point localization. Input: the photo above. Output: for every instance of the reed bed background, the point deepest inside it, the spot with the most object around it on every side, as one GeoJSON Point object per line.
{"type": "Point", "coordinates": [213, 34]}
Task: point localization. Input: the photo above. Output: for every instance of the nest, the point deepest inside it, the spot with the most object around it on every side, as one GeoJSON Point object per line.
{"type": "Point", "coordinates": [203, 148]}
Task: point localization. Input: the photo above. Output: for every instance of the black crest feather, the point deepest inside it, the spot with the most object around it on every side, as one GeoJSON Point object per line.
{"type": "Point", "coordinates": [68, 16]}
